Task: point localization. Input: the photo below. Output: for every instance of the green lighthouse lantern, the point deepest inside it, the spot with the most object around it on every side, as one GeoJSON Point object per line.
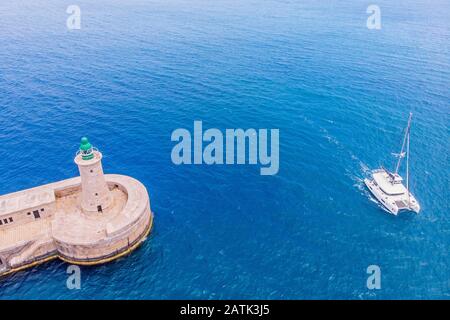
{"type": "Point", "coordinates": [86, 149]}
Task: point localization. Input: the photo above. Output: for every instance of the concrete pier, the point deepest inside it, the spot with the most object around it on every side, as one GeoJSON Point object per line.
{"type": "Point", "coordinates": [87, 220]}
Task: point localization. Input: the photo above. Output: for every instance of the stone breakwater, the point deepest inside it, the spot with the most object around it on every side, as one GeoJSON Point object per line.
{"type": "Point", "coordinates": [87, 220]}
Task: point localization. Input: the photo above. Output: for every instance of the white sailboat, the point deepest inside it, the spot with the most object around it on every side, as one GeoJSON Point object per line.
{"type": "Point", "coordinates": [388, 188]}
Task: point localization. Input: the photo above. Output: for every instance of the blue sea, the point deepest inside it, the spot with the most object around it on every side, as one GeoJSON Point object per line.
{"type": "Point", "coordinates": [339, 93]}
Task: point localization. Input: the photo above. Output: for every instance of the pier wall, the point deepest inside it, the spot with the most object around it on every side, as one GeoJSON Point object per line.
{"type": "Point", "coordinates": [35, 238]}
{"type": "Point", "coordinates": [109, 247]}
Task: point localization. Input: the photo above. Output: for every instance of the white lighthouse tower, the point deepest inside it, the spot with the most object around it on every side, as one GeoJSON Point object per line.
{"type": "Point", "coordinates": [95, 194]}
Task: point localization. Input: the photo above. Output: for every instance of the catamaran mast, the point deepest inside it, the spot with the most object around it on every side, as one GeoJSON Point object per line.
{"type": "Point", "coordinates": [401, 154]}
{"type": "Point", "coordinates": [407, 167]}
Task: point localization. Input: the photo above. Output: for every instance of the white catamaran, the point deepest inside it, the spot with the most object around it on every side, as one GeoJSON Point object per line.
{"type": "Point", "coordinates": [388, 188]}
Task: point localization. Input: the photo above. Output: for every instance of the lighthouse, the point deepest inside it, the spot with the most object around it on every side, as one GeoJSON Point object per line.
{"type": "Point", "coordinates": [95, 194]}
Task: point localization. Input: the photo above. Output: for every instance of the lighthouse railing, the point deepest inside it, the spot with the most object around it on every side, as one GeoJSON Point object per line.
{"type": "Point", "coordinates": [94, 149]}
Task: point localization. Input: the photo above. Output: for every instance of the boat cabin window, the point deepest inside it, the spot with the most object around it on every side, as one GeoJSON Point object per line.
{"type": "Point", "coordinates": [393, 194]}
{"type": "Point", "coordinates": [390, 193]}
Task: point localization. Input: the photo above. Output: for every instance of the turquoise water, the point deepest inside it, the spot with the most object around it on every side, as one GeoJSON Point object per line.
{"type": "Point", "coordinates": [339, 93]}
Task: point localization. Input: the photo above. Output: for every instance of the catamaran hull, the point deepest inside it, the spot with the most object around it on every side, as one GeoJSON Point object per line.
{"type": "Point", "coordinates": [389, 203]}
{"type": "Point", "coordinates": [387, 187]}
